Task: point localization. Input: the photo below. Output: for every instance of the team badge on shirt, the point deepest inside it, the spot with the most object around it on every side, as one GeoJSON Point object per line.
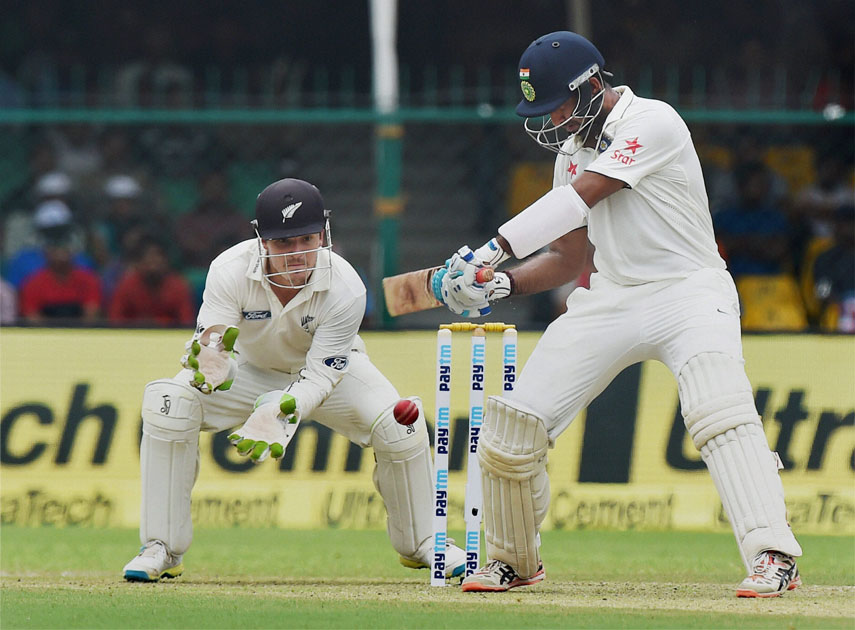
{"type": "Point", "coordinates": [336, 363]}
{"type": "Point", "coordinates": [305, 320]}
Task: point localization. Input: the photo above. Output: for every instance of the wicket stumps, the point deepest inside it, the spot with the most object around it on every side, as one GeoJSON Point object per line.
{"type": "Point", "coordinates": [473, 492]}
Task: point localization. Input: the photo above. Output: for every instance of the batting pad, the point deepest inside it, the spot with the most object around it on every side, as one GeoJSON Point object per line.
{"type": "Point", "coordinates": [512, 453]}
{"type": "Point", "coordinates": [745, 473]}
{"type": "Point", "coordinates": [403, 477]}
{"type": "Point", "coordinates": [720, 416]}
{"type": "Point", "coordinates": [715, 396]}
{"type": "Point", "coordinates": [169, 460]}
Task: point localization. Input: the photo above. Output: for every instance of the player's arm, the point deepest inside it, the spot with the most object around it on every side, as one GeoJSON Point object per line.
{"type": "Point", "coordinates": [555, 220]}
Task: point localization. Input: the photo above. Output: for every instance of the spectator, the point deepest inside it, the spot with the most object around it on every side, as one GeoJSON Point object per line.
{"type": "Point", "coordinates": [213, 225]}
{"type": "Point", "coordinates": [62, 291]}
{"type": "Point", "coordinates": [50, 220]}
{"type": "Point", "coordinates": [834, 274]}
{"type": "Point", "coordinates": [117, 235]}
{"type": "Point", "coordinates": [77, 150]}
{"type": "Point", "coordinates": [816, 204]}
{"type": "Point", "coordinates": [43, 184]}
{"type": "Point", "coordinates": [755, 234]}
{"type": "Point", "coordinates": [8, 303]}
{"type": "Point", "coordinates": [151, 292]}
{"type": "Point", "coordinates": [121, 193]}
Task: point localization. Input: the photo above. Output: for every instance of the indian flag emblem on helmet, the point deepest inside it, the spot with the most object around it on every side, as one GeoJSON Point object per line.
{"type": "Point", "coordinates": [527, 90]}
{"type": "Point", "coordinates": [524, 73]}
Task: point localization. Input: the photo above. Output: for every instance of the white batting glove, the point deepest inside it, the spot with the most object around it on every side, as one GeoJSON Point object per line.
{"type": "Point", "coordinates": [213, 364]}
{"type": "Point", "coordinates": [491, 254]}
{"type": "Point", "coordinates": [461, 285]}
{"type": "Point", "coordinates": [269, 429]}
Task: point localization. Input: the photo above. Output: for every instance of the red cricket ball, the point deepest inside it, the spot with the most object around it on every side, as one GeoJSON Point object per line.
{"type": "Point", "coordinates": [406, 412]}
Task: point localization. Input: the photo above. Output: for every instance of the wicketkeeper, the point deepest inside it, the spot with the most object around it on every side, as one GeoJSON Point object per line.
{"type": "Point", "coordinates": [298, 307]}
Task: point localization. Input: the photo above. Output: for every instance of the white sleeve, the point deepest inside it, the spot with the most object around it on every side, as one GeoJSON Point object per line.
{"type": "Point", "coordinates": [219, 300]}
{"type": "Point", "coordinates": [558, 212]}
{"type": "Point", "coordinates": [328, 358]}
{"type": "Point", "coordinates": [642, 145]}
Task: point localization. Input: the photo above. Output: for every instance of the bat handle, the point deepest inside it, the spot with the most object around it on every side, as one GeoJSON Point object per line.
{"type": "Point", "coordinates": [484, 275]}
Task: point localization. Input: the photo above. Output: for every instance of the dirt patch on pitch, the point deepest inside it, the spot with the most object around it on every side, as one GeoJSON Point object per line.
{"type": "Point", "coordinates": [821, 601]}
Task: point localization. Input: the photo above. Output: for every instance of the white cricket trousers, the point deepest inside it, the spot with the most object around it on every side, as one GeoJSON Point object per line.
{"type": "Point", "coordinates": [609, 327]}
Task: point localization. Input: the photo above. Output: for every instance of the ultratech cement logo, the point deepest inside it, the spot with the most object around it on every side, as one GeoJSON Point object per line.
{"type": "Point", "coordinates": [221, 511]}
{"type": "Point", "coordinates": [571, 512]}
{"type": "Point", "coordinates": [36, 507]}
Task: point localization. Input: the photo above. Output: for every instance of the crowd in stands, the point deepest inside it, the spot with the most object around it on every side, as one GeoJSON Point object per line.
{"type": "Point", "coordinates": [87, 236]}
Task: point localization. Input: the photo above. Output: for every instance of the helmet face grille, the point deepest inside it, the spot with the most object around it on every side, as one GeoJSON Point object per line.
{"type": "Point", "coordinates": [296, 271]}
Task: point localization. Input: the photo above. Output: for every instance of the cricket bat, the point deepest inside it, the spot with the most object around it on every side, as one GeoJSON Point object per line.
{"type": "Point", "coordinates": [411, 292]}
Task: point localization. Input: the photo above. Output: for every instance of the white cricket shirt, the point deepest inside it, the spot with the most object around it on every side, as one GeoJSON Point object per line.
{"type": "Point", "coordinates": [313, 335]}
{"type": "Point", "coordinates": [660, 227]}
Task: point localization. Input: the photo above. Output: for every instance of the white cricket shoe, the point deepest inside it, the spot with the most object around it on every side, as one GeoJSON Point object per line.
{"type": "Point", "coordinates": [455, 558]}
{"type": "Point", "coordinates": [153, 562]}
{"type": "Point", "coordinates": [498, 576]}
{"type": "Point", "coordinates": [774, 573]}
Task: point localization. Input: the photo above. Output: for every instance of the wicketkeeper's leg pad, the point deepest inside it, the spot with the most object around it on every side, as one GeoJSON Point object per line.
{"type": "Point", "coordinates": [403, 477]}
{"type": "Point", "coordinates": [512, 453]}
{"type": "Point", "coordinates": [721, 418]}
{"type": "Point", "coordinates": [169, 460]}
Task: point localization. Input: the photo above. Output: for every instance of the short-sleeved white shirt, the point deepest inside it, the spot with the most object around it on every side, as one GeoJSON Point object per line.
{"type": "Point", "coordinates": [313, 335]}
{"type": "Point", "coordinates": [659, 227]}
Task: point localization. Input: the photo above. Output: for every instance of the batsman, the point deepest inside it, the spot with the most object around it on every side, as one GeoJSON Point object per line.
{"type": "Point", "coordinates": [298, 307]}
{"type": "Point", "coordinates": [627, 178]}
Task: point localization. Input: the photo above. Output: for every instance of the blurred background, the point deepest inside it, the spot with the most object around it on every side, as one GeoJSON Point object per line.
{"type": "Point", "coordinates": [135, 136]}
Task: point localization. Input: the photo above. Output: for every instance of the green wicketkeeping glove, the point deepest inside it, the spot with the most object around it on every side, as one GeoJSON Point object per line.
{"type": "Point", "coordinates": [214, 365]}
{"type": "Point", "coordinates": [269, 429]}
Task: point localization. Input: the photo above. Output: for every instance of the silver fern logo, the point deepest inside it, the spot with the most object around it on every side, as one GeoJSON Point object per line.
{"type": "Point", "coordinates": [289, 211]}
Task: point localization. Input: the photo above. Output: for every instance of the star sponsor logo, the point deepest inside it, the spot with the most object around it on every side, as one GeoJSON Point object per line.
{"type": "Point", "coordinates": [631, 146]}
{"type": "Point", "coordinates": [572, 169]}
{"type": "Point", "coordinates": [288, 211]}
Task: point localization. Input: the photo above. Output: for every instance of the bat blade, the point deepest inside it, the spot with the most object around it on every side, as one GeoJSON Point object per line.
{"type": "Point", "coordinates": [410, 292]}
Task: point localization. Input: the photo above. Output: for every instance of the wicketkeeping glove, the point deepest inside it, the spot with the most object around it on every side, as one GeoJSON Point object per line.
{"type": "Point", "coordinates": [268, 430]}
{"type": "Point", "coordinates": [213, 364]}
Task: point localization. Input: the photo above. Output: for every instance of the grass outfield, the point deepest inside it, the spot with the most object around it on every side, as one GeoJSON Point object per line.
{"type": "Point", "coordinates": [238, 578]}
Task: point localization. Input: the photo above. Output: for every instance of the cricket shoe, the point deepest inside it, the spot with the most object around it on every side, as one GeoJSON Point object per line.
{"type": "Point", "coordinates": [498, 576]}
{"type": "Point", "coordinates": [773, 574]}
{"type": "Point", "coordinates": [153, 562]}
{"type": "Point", "coordinates": [455, 558]}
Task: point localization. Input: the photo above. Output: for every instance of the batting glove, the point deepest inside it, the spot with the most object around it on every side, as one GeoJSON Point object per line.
{"type": "Point", "coordinates": [269, 429]}
{"type": "Point", "coordinates": [463, 289]}
{"type": "Point", "coordinates": [213, 364]}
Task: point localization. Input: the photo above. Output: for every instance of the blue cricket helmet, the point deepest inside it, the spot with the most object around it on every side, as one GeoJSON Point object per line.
{"type": "Point", "coordinates": [552, 67]}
